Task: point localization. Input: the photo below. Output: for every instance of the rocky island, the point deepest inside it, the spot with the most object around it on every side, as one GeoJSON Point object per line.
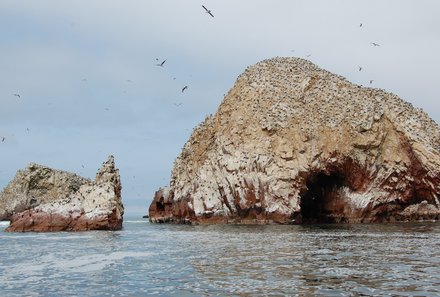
{"type": "Point", "coordinates": [66, 202]}
{"type": "Point", "coordinates": [293, 143]}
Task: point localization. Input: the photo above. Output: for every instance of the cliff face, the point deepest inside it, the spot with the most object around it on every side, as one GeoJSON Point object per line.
{"type": "Point", "coordinates": [94, 206]}
{"type": "Point", "coordinates": [292, 143]}
{"type": "Point", "coordinates": [36, 185]}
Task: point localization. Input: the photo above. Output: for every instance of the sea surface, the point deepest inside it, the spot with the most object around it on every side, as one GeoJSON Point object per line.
{"type": "Point", "coordinates": [147, 259]}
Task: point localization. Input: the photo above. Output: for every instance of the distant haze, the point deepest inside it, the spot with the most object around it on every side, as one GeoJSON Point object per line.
{"type": "Point", "coordinates": [89, 86]}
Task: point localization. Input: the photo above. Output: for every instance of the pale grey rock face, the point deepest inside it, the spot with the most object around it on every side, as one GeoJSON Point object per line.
{"type": "Point", "coordinates": [289, 134]}
{"type": "Point", "coordinates": [35, 185]}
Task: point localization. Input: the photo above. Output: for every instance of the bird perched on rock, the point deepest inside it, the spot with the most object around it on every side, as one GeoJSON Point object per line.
{"type": "Point", "coordinates": [207, 11]}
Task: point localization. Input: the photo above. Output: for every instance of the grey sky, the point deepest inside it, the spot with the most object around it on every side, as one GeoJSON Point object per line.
{"type": "Point", "coordinates": [89, 87]}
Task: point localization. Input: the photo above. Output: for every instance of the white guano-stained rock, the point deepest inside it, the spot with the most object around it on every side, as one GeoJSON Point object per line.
{"type": "Point", "coordinates": [292, 143]}
{"type": "Point", "coordinates": [95, 205]}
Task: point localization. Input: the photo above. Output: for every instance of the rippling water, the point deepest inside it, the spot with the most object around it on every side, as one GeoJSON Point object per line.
{"type": "Point", "coordinates": [176, 260]}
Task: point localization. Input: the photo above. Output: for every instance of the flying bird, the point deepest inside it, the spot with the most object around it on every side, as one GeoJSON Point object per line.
{"type": "Point", "coordinates": [161, 64]}
{"type": "Point", "coordinates": [375, 44]}
{"type": "Point", "coordinates": [360, 25]}
{"type": "Point", "coordinates": [177, 104]}
{"type": "Point", "coordinates": [371, 81]}
{"type": "Point", "coordinates": [184, 88]}
{"type": "Point", "coordinates": [3, 139]}
{"type": "Point", "coordinates": [207, 11]}
{"type": "Point", "coordinates": [17, 95]}
{"type": "Point", "coordinates": [360, 68]}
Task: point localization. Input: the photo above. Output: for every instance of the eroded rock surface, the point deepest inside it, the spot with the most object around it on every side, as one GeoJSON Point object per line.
{"type": "Point", "coordinates": [95, 205]}
{"type": "Point", "coordinates": [292, 143]}
{"type": "Point", "coordinates": [36, 185]}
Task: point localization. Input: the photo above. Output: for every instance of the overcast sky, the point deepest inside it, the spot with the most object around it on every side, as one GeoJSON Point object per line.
{"type": "Point", "coordinates": [89, 87]}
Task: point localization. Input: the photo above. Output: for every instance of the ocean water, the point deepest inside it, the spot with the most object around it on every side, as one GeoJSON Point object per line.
{"type": "Point", "coordinates": [177, 260]}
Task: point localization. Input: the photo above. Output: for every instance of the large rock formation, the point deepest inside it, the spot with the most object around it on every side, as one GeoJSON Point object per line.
{"type": "Point", "coordinates": [36, 185]}
{"type": "Point", "coordinates": [292, 143]}
{"type": "Point", "coordinates": [94, 206]}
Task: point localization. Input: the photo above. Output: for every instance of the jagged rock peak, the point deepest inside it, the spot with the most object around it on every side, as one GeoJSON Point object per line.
{"type": "Point", "coordinates": [294, 143]}
{"type": "Point", "coordinates": [107, 172]}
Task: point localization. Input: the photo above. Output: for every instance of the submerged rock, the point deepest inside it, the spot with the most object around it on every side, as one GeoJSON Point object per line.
{"type": "Point", "coordinates": [36, 185]}
{"type": "Point", "coordinates": [292, 143]}
{"type": "Point", "coordinates": [95, 205]}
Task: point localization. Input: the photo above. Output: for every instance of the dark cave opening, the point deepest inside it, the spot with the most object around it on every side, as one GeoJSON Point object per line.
{"type": "Point", "coordinates": [321, 203]}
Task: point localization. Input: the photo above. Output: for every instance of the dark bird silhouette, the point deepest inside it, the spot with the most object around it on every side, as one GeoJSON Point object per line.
{"type": "Point", "coordinates": [371, 81]}
{"type": "Point", "coordinates": [375, 44]}
{"type": "Point", "coordinates": [177, 104]}
{"type": "Point", "coordinates": [107, 109]}
{"type": "Point", "coordinates": [184, 88]}
{"type": "Point", "coordinates": [82, 166]}
{"type": "Point", "coordinates": [360, 68]}
{"type": "Point", "coordinates": [360, 25]}
{"type": "Point", "coordinates": [161, 64]}
{"type": "Point", "coordinates": [207, 11]}
{"type": "Point", "coordinates": [17, 95]}
{"type": "Point", "coordinates": [3, 139]}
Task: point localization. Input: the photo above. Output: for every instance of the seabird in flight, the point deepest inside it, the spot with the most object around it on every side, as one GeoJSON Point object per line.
{"type": "Point", "coordinates": [17, 95]}
{"type": "Point", "coordinates": [184, 88]}
{"type": "Point", "coordinates": [375, 44]}
{"type": "Point", "coordinates": [161, 64]}
{"type": "Point", "coordinates": [207, 11]}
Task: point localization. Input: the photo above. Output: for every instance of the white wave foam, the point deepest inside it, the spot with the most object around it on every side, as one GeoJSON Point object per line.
{"type": "Point", "coordinates": [4, 223]}
{"type": "Point", "coordinates": [136, 221]}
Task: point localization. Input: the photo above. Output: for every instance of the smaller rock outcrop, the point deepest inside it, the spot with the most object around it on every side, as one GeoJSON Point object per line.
{"type": "Point", "coordinates": [94, 206]}
{"type": "Point", "coordinates": [35, 185]}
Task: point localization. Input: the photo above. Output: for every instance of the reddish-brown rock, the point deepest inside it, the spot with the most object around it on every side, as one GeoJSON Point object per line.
{"type": "Point", "coordinates": [292, 143]}
{"type": "Point", "coordinates": [95, 206]}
